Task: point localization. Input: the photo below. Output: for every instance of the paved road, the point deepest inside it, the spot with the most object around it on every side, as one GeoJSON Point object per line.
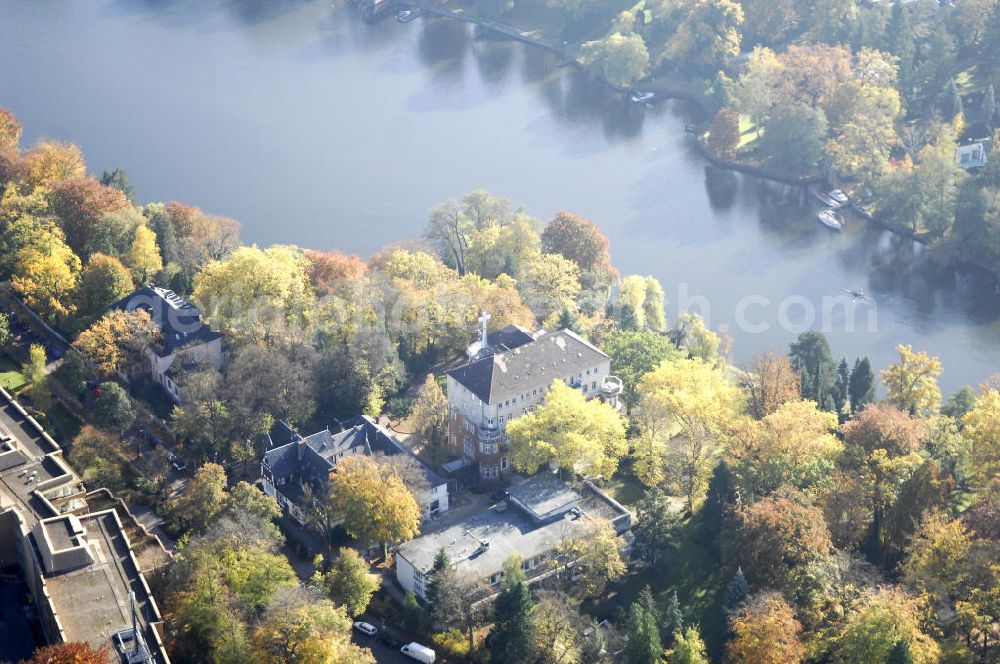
{"type": "Point", "coordinates": [383, 655]}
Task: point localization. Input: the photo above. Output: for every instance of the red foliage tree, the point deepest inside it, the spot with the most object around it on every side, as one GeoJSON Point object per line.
{"type": "Point", "coordinates": [330, 271]}
{"type": "Point", "coordinates": [69, 653]}
{"type": "Point", "coordinates": [775, 536]}
{"type": "Point", "coordinates": [80, 203]}
{"type": "Point", "coordinates": [884, 427]}
{"type": "Point", "coordinates": [724, 134]}
{"type": "Point", "coordinates": [183, 217]}
{"type": "Point", "coordinates": [581, 241]}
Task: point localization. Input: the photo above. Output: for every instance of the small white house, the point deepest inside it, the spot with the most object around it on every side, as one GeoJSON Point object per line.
{"type": "Point", "coordinates": [972, 156]}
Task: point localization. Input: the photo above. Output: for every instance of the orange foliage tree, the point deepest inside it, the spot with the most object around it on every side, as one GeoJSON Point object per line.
{"type": "Point", "coordinates": [69, 653]}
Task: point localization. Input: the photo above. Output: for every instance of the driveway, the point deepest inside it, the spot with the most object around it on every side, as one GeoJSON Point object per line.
{"type": "Point", "coordinates": [383, 655]}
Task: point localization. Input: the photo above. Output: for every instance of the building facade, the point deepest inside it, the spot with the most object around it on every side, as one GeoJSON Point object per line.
{"type": "Point", "coordinates": [185, 338]}
{"type": "Point", "coordinates": [507, 377]}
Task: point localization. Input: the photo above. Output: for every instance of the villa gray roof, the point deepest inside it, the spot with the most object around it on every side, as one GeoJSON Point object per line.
{"type": "Point", "coordinates": [312, 458]}
{"type": "Point", "coordinates": [179, 321]}
{"type": "Point", "coordinates": [509, 337]}
{"type": "Point", "coordinates": [536, 364]}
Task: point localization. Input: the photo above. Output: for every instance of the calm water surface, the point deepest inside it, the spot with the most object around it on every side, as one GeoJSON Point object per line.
{"type": "Point", "coordinates": [313, 128]}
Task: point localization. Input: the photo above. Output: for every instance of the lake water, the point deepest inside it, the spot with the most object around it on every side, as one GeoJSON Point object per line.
{"type": "Point", "coordinates": [314, 128]}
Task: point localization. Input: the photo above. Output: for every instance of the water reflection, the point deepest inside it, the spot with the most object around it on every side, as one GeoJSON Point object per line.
{"type": "Point", "coordinates": [443, 45]}
{"type": "Point", "coordinates": [495, 60]}
{"type": "Point", "coordinates": [371, 124]}
{"type": "Point", "coordinates": [721, 186]}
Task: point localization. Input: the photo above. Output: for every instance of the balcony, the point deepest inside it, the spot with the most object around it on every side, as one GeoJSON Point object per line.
{"type": "Point", "coordinates": [611, 387]}
{"type": "Point", "coordinates": [611, 390]}
{"type": "Point", "coordinates": [489, 433]}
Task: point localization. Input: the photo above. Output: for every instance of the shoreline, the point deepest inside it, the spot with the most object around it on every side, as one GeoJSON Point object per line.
{"type": "Point", "coordinates": [667, 92]}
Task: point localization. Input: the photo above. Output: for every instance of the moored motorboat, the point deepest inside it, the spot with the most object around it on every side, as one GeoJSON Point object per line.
{"type": "Point", "coordinates": [829, 219]}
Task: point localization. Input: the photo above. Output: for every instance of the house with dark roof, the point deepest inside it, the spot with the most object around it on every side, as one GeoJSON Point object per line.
{"type": "Point", "coordinates": [293, 462]}
{"type": "Point", "coordinates": [185, 339]}
{"type": "Point", "coordinates": [507, 376]}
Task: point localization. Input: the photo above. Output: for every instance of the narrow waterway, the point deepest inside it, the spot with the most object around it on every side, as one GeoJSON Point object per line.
{"type": "Point", "coordinates": [314, 128]}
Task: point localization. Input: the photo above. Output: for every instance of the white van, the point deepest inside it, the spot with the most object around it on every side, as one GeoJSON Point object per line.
{"type": "Point", "coordinates": [419, 652]}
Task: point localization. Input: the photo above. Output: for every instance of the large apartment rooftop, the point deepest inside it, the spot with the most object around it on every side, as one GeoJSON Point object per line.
{"type": "Point", "coordinates": [91, 595]}
{"type": "Point", "coordinates": [79, 566]}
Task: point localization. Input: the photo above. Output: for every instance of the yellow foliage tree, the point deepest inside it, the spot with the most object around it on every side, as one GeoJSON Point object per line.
{"type": "Point", "coordinates": [373, 501]}
{"type": "Point", "coordinates": [144, 256]}
{"type": "Point", "coordinates": [117, 339]}
{"type": "Point", "coordinates": [596, 559]}
{"type": "Point", "coordinates": [877, 622]}
{"type": "Point", "coordinates": [306, 630]}
{"type": "Point", "coordinates": [50, 162]}
{"type": "Point", "coordinates": [685, 408]}
{"type": "Point", "coordinates": [45, 274]}
{"type": "Point", "coordinates": [912, 382]}
{"type": "Point", "coordinates": [982, 427]}
{"type": "Point", "coordinates": [793, 445]}
{"type": "Point", "coordinates": [254, 290]}
{"type": "Point", "coordinates": [586, 437]}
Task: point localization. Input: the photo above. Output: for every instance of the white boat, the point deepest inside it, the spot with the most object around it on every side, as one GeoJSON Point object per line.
{"type": "Point", "coordinates": [407, 15]}
{"type": "Point", "coordinates": [829, 219]}
{"type": "Point", "coordinates": [642, 97]}
{"type": "Point", "coordinates": [839, 196]}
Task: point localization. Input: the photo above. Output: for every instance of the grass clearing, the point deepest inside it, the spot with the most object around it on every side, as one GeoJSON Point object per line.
{"type": "Point", "coordinates": [625, 488]}
{"type": "Point", "coordinates": [10, 376]}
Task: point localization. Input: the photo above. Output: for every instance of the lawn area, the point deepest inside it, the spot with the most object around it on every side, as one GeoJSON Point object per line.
{"type": "Point", "coordinates": [700, 582]}
{"type": "Point", "coordinates": [10, 376]}
{"type": "Point", "coordinates": [625, 488]}
{"type": "Point", "coordinates": [748, 131]}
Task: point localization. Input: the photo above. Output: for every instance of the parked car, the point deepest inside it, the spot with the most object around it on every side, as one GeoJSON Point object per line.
{"type": "Point", "coordinates": [176, 461]}
{"type": "Point", "coordinates": [388, 640]}
{"type": "Point", "coordinates": [419, 652]}
{"type": "Point", "coordinates": [366, 628]}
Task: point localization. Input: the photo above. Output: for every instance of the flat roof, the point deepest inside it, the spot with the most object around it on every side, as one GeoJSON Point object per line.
{"type": "Point", "coordinates": [508, 532]}
{"type": "Point", "coordinates": [15, 423]}
{"type": "Point", "coordinates": [61, 533]}
{"type": "Point", "coordinates": [543, 493]}
{"type": "Point", "coordinates": [93, 602]}
{"type": "Point", "coordinates": [90, 603]}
